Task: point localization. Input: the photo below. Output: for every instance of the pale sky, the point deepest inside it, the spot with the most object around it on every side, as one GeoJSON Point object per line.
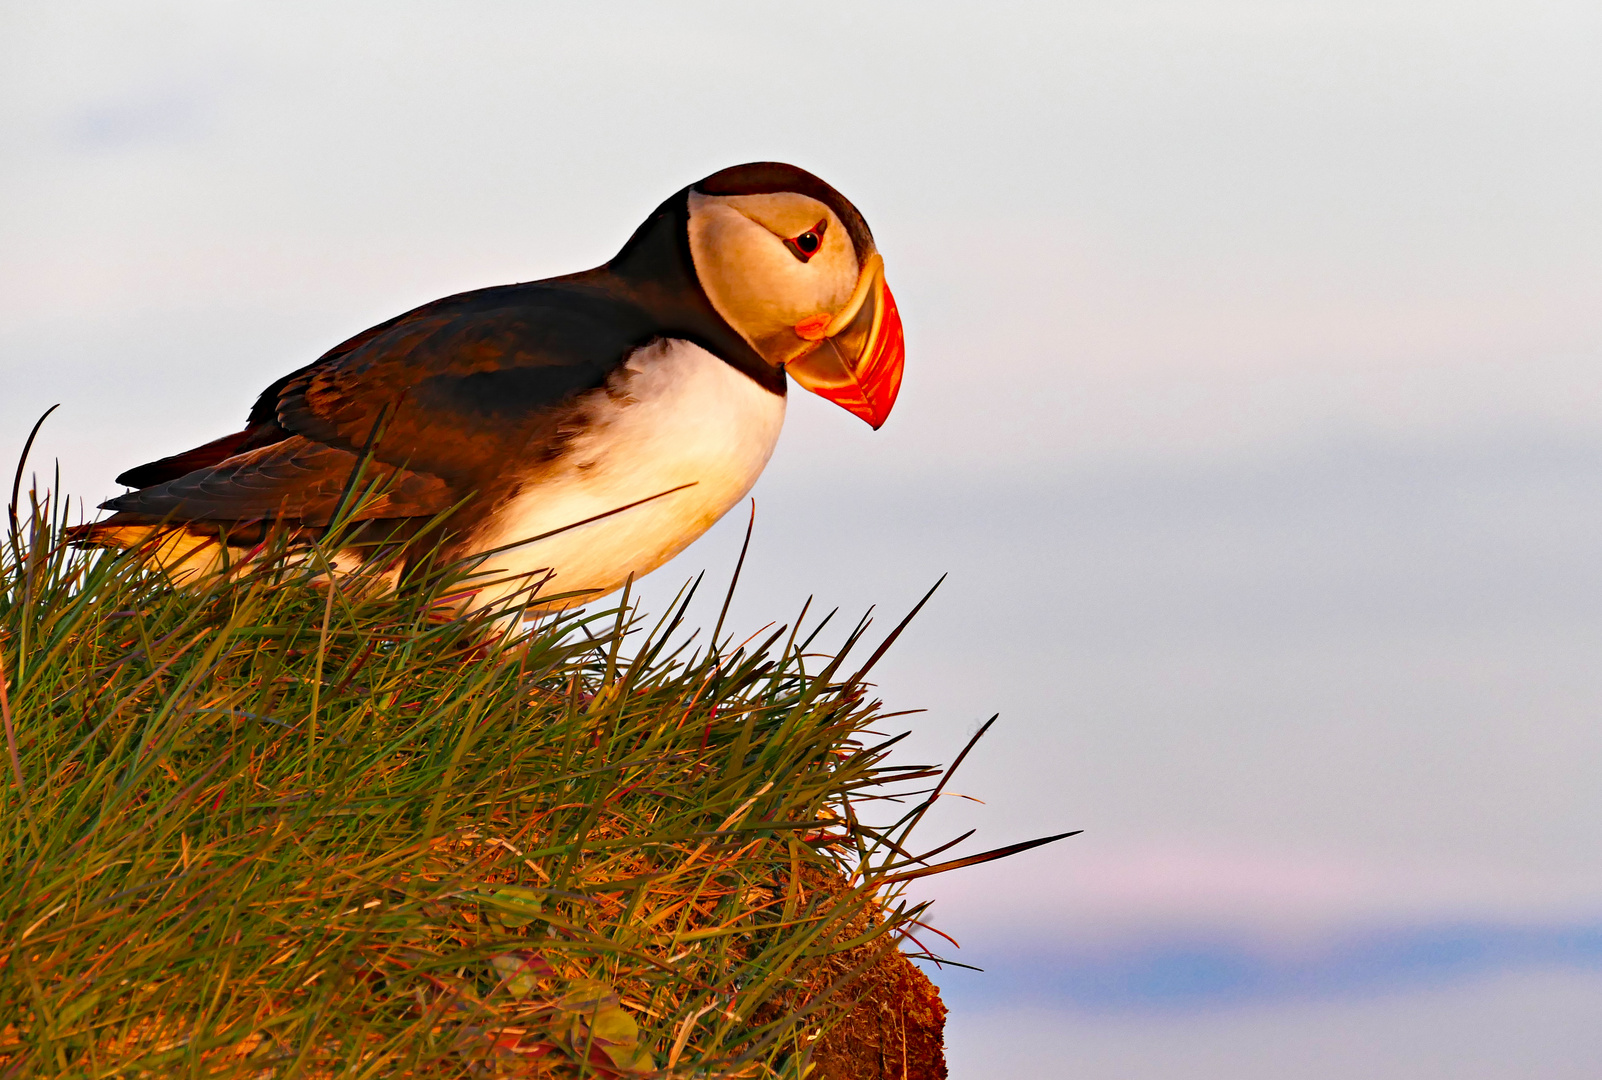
{"type": "Point", "coordinates": [1252, 403]}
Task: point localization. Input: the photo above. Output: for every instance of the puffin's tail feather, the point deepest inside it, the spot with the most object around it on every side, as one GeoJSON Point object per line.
{"type": "Point", "coordinates": [178, 551]}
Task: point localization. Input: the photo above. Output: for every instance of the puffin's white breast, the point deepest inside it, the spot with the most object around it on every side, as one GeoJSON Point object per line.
{"type": "Point", "coordinates": [674, 414]}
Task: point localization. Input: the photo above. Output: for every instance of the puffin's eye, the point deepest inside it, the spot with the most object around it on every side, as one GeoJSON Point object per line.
{"type": "Point", "coordinates": [807, 244]}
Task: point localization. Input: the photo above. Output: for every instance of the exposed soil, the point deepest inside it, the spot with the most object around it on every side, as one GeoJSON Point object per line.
{"type": "Point", "coordinates": [896, 1031]}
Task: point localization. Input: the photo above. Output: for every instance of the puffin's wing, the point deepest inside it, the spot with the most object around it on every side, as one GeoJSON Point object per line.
{"type": "Point", "coordinates": [201, 457]}
{"type": "Point", "coordinates": [294, 478]}
{"type": "Point", "coordinates": [460, 388]}
{"type": "Point", "coordinates": [443, 398]}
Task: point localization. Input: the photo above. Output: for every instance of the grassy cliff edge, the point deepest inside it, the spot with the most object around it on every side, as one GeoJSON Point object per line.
{"type": "Point", "coordinates": [269, 827]}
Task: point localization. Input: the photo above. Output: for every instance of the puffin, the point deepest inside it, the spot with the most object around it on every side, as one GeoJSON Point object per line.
{"type": "Point", "coordinates": [563, 436]}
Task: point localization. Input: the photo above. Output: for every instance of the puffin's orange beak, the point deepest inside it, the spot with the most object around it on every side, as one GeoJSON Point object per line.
{"type": "Point", "coordinates": [857, 363]}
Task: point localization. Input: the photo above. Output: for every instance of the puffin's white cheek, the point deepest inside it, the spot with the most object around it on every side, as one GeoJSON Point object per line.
{"type": "Point", "coordinates": [777, 289]}
{"type": "Point", "coordinates": [835, 273]}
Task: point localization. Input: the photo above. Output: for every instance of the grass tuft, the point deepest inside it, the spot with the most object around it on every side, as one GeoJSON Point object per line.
{"type": "Point", "coordinates": [269, 826]}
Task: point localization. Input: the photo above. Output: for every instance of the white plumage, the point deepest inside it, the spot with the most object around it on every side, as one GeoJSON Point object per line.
{"type": "Point", "coordinates": [674, 414]}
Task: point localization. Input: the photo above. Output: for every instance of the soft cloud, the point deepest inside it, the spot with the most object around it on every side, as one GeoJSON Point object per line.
{"type": "Point", "coordinates": [1492, 1027]}
{"type": "Point", "coordinates": [1111, 889]}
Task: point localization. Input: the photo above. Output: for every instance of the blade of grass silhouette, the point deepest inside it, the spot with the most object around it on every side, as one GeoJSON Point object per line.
{"type": "Point", "coordinates": [974, 860]}
{"type": "Point", "coordinates": [618, 632]}
{"type": "Point", "coordinates": [947, 846]}
{"type": "Point", "coordinates": [16, 479]}
{"type": "Point", "coordinates": [923, 808]}
{"type": "Point", "coordinates": [799, 619]}
{"type": "Point", "coordinates": [739, 563]}
{"type": "Point", "coordinates": [884, 646]}
{"type": "Point", "coordinates": [816, 630]}
{"type": "Point", "coordinates": [575, 525]}
{"type": "Point", "coordinates": [660, 635]}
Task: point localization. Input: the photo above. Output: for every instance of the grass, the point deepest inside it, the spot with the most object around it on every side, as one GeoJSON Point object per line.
{"type": "Point", "coordinates": [272, 827]}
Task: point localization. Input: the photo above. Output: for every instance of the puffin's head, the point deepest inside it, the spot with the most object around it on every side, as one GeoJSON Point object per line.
{"type": "Point", "coordinates": [789, 263]}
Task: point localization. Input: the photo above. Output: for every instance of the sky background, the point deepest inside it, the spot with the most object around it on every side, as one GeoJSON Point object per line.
{"type": "Point", "coordinates": [1253, 404]}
